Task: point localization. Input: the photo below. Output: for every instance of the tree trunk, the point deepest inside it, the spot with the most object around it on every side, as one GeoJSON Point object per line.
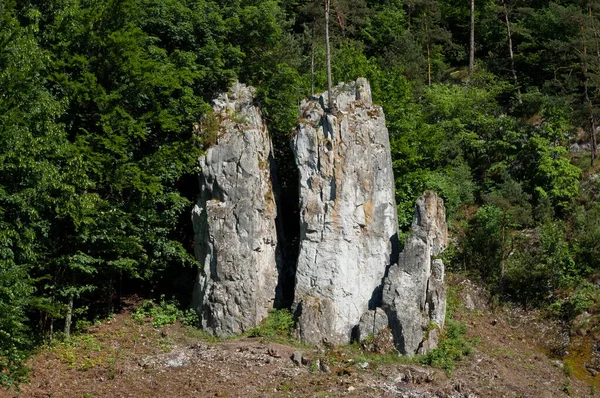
{"type": "Point", "coordinates": [588, 101]}
{"type": "Point", "coordinates": [329, 84]}
{"type": "Point", "coordinates": [110, 307]}
{"type": "Point", "coordinates": [427, 40]}
{"type": "Point", "coordinates": [428, 65]}
{"type": "Point", "coordinates": [120, 293]}
{"type": "Point", "coordinates": [472, 44]}
{"type": "Point", "coordinates": [512, 55]}
{"type": "Point", "coordinates": [593, 138]}
{"type": "Point", "coordinates": [502, 265]}
{"type": "Point", "coordinates": [312, 64]}
{"type": "Point", "coordinates": [69, 316]}
{"type": "Point", "coordinates": [51, 331]}
{"type": "Point", "coordinates": [595, 32]}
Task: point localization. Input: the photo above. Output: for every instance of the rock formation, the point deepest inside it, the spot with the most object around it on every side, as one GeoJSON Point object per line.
{"type": "Point", "coordinates": [414, 295]}
{"type": "Point", "coordinates": [234, 219]}
{"type": "Point", "coordinates": [348, 222]}
{"type": "Point", "coordinates": [350, 281]}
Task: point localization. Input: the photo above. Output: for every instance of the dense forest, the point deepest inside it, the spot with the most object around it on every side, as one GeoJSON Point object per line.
{"type": "Point", "coordinates": [495, 107]}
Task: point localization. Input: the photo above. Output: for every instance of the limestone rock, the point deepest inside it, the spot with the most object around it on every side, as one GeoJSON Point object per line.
{"type": "Point", "coordinates": [373, 332]}
{"type": "Point", "coordinates": [234, 219]}
{"type": "Point", "coordinates": [414, 295]}
{"type": "Point", "coordinates": [348, 222]}
{"type": "Point", "coordinates": [371, 323]}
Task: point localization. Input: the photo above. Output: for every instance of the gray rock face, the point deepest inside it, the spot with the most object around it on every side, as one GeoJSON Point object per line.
{"type": "Point", "coordinates": [414, 295]}
{"type": "Point", "coordinates": [234, 219]}
{"type": "Point", "coordinates": [371, 323]}
{"type": "Point", "coordinates": [348, 222]}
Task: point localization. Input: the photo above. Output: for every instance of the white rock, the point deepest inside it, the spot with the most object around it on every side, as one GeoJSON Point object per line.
{"type": "Point", "coordinates": [414, 295]}
{"type": "Point", "coordinates": [348, 231]}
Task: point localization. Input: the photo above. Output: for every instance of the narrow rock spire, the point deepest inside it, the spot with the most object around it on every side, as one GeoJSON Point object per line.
{"type": "Point", "coordinates": [348, 221]}
{"type": "Point", "coordinates": [234, 218]}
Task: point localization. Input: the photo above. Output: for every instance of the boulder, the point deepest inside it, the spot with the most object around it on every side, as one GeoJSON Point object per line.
{"type": "Point", "coordinates": [234, 218]}
{"type": "Point", "coordinates": [371, 323]}
{"type": "Point", "coordinates": [348, 221]}
{"type": "Point", "coordinates": [414, 295]}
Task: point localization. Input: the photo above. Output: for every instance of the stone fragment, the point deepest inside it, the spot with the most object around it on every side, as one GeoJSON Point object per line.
{"type": "Point", "coordinates": [234, 218]}
{"type": "Point", "coordinates": [414, 295]}
{"type": "Point", "coordinates": [325, 368]}
{"type": "Point", "coordinates": [297, 358]}
{"type": "Point", "coordinates": [348, 222]}
{"type": "Point", "coordinates": [372, 322]}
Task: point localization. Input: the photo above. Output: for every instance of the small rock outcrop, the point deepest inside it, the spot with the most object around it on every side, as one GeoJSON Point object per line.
{"type": "Point", "coordinates": [348, 221]}
{"type": "Point", "coordinates": [414, 295]}
{"type": "Point", "coordinates": [234, 218]}
{"type": "Point", "coordinates": [371, 323]}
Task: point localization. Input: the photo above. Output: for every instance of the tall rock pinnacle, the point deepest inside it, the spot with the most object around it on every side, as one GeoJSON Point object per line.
{"type": "Point", "coordinates": [348, 221]}
{"type": "Point", "coordinates": [234, 219]}
{"type": "Point", "coordinates": [414, 295]}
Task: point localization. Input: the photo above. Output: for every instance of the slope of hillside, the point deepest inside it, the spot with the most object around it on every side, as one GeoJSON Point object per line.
{"type": "Point", "coordinates": [123, 358]}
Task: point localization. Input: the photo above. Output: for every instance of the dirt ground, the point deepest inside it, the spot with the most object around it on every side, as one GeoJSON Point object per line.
{"type": "Point", "coordinates": [121, 358]}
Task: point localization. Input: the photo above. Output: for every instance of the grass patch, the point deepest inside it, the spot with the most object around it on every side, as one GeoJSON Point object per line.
{"type": "Point", "coordinates": [453, 347]}
{"type": "Point", "coordinates": [81, 352]}
{"type": "Point", "coordinates": [279, 324]}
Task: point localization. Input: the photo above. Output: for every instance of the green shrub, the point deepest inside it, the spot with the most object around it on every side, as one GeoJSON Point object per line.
{"type": "Point", "coordinates": [279, 323]}
{"type": "Point", "coordinates": [190, 317]}
{"type": "Point", "coordinates": [452, 348]}
{"type": "Point", "coordinates": [580, 300]}
{"type": "Point", "coordinates": [164, 313]}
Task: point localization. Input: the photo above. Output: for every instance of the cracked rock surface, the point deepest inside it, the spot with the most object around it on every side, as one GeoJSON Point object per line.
{"type": "Point", "coordinates": [414, 294]}
{"type": "Point", "coordinates": [234, 219]}
{"type": "Point", "coordinates": [348, 221]}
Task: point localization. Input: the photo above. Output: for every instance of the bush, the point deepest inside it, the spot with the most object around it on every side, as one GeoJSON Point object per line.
{"type": "Point", "coordinates": [452, 348]}
{"type": "Point", "coordinates": [540, 264]}
{"type": "Point", "coordinates": [454, 184]}
{"type": "Point", "coordinates": [164, 313]}
{"type": "Point", "coordinates": [577, 302]}
{"type": "Point", "coordinates": [279, 323]}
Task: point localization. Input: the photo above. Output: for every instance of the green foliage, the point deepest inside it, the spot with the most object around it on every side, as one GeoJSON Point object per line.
{"type": "Point", "coordinates": [454, 184]}
{"type": "Point", "coordinates": [69, 351]}
{"type": "Point", "coordinates": [541, 263]}
{"type": "Point", "coordinates": [550, 174]}
{"type": "Point", "coordinates": [482, 245]}
{"type": "Point", "coordinates": [586, 238]}
{"type": "Point", "coordinates": [279, 323]}
{"type": "Point", "coordinates": [452, 347]}
{"type": "Point", "coordinates": [581, 298]}
{"type": "Point", "coordinates": [164, 313]}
